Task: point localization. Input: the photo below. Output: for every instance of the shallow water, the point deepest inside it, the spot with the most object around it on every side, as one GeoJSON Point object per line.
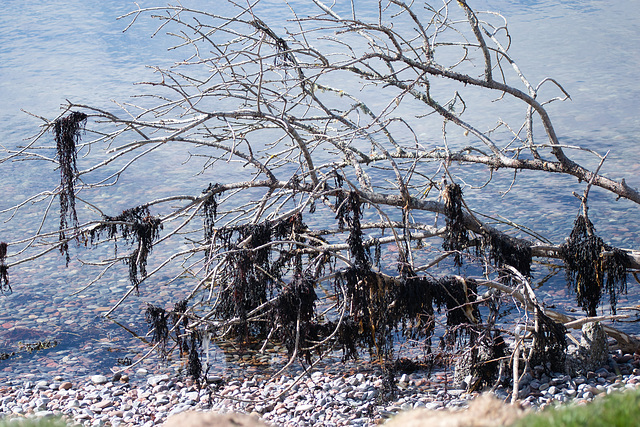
{"type": "Point", "coordinates": [57, 50]}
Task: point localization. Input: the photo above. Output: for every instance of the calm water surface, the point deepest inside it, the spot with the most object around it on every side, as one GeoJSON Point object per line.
{"type": "Point", "coordinates": [56, 50]}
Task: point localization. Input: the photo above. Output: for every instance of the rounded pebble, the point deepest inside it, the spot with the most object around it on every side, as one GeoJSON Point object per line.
{"type": "Point", "coordinates": [98, 379]}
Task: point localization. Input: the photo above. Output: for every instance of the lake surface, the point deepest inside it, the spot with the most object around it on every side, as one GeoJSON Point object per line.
{"type": "Point", "coordinates": [56, 50]}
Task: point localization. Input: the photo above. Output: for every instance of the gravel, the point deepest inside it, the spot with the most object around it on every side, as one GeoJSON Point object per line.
{"type": "Point", "coordinates": [322, 398]}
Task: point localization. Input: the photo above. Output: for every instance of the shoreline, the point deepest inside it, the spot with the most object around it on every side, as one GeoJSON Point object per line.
{"type": "Point", "coordinates": [331, 395]}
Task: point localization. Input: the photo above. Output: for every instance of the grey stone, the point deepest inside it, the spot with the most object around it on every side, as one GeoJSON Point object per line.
{"type": "Point", "coordinates": [592, 353]}
{"type": "Point", "coordinates": [304, 407]}
{"type": "Point", "coordinates": [142, 372]}
{"type": "Point", "coordinates": [41, 403]}
{"type": "Point", "coordinates": [154, 380]}
{"type": "Point", "coordinates": [406, 406]}
{"type": "Point", "coordinates": [192, 395]}
{"type": "Point", "coordinates": [579, 380]}
{"type": "Point", "coordinates": [99, 379]}
{"type": "Point", "coordinates": [433, 405]}
{"type": "Point", "coordinates": [92, 395]}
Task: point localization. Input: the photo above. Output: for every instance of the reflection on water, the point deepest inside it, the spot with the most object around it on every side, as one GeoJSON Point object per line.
{"type": "Point", "coordinates": [57, 50]}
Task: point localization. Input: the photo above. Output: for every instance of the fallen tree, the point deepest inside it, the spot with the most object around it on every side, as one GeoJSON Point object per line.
{"type": "Point", "coordinates": [340, 152]}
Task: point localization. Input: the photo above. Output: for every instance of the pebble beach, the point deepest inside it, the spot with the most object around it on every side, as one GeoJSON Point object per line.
{"type": "Point", "coordinates": [333, 395]}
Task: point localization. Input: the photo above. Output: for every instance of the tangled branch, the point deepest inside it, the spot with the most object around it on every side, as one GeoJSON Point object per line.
{"type": "Point", "coordinates": [325, 143]}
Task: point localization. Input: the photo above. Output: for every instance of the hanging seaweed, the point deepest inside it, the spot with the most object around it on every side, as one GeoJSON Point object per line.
{"type": "Point", "coordinates": [549, 344]}
{"type": "Point", "coordinates": [4, 270]}
{"type": "Point", "coordinates": [157, 319]}
{"type": "Point", "coordinates": [456, 236]}
{"type": "Point", "coordinates": [250, 278]}
{"type": "Point", "coordinates": [210, 211]}
{"type": "Point", "coordinates": [458, 295]}
{"type": "Point", "coordinates": [173, 325]}
{"type": "Point", "coordinates": [614, 263]}
{"type": "Point", "coordinates": [349, 212]}
{"type": "Point", "coordinates": [138, 228]}
{"type": "Point", "coordinates": [194, 365]}
{"type": "Point", "coordinates": [294, 314]}
{"type": "Point", "coordinates": [289, 229]}
{"type": "Point", "coordinates": [347, 338]}
{"type": "Point", "coordinates": [369, 298]}
{"type": "Point", "coordinates": [67, 134]}
{"type": "Point", "coordinates": [243, 292]}
{"type": "Point", "coordinates": [180, 323]}
{"type": "Point", "coordinates": [380, 306]}
{"type": "Point", "coordinates": [283, 55]}
{"type": "Point", "coordinates": [592, 267]}
{"type": "Point", "coordinates": [504, 250]}
{"type": "Point", "coordinates": [413, 308]}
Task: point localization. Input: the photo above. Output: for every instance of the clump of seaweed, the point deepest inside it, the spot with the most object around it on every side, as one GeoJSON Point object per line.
{"type": "Point", "coordinates": [349, 212]}
{"type": "Point", "coordinates": [456, 236]}
{"type": "Point", "coordinates": [38, 345]}
{"type": "Point", "coordinates": [369, 298]}
{"type": "Point", "coordinates": [479, 364]}
{"type": "Point", "coordinates": [458, 296]}
{"type": "Point", "coordinates": [180, 322]}
{"type": "Point", "coordinates": [165, 325]}
{"type": "Point", "coordinates": [379, 306]}
{"type": "Point", "coordinates": [210, 211]}
{"type": "Point", "coordinates": [504, 250]}
{"type": "Point", "coordinates": [549, 344]}
{"type": "Point", "coordinates": [283, 55]}
{"type": "Point", "coordinates": [294, 314]}
{"type": "Point", "coordinates": [157, 319]}
{"type": "Point", "coordinates": [413, 307]}
{"type": "Point", "coordinates": [194, 366]}
{"type": "Point", "coordinates": [593, 267]}
{"type": "Point", "coordinates": [247, 269]}
{"type": "Point", "coordinates": [138, 228]}
{"type": "Point", "coordinates": [67, 134]}
{"type": "Point", "coordinates": [251, 277]}
{"type": "Point", "coordinates": [347, 338]}
{"type": "Point", "coordinates": [4, 270]}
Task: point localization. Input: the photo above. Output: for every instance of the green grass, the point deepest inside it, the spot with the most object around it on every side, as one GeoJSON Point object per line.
{"type": "Point", "coordinates": [615, 410]}
{"type": "Point", "coordinates": [31, 422]}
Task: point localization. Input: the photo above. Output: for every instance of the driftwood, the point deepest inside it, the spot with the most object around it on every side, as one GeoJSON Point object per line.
{"type": "Point", "coordinates": [324, 152]}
